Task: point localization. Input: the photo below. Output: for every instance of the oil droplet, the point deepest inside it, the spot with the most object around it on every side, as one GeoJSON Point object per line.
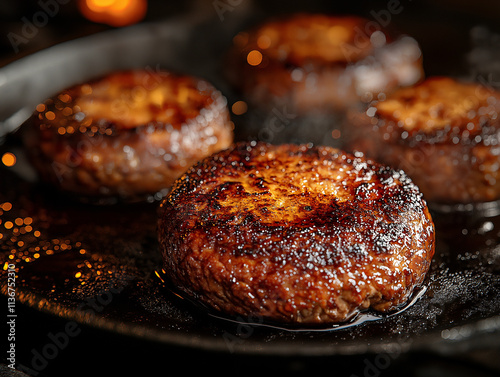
{"type": "Point", "coordinates": [486, 227]}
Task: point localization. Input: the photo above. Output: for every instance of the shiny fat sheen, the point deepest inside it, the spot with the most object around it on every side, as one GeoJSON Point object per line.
{"type": "Point", "coordinates": [127, 135]}
{"type": "Point", "coordinates": [444, 133]}
{"type": "Point", "coordinates": [295, 234]}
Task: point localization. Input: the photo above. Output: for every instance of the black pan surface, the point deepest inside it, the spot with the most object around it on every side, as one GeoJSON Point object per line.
{"type": "Point", "coordinates": [100, 265]}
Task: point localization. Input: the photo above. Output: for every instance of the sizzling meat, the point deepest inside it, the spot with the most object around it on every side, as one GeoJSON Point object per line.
{"type": "Point", "coordinates": [127, 135]}
{"type": "Point", "coordinates": [444, 133]}
{"type": "Point", "coordinates": [295, 234]}
{"type": "Point", "coordinates": [311, 61]}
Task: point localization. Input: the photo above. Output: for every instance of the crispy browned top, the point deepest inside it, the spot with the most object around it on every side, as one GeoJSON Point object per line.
{"type": "Point", "coordinates": [303, 38]}
{"type": "Point", "coordinates": [127, 100]}
{"type": "Point", "coordinates": [318, 195]}
{"type": "Point", "coordinates": [295, 233]}
{"type": "Point", "coordinates": [440, 108]}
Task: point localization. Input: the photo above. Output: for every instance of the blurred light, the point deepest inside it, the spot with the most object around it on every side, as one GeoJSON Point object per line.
{"type": "Point", "coordinates": [336, 134]}
{"type": "Point", "coordinates": [264, 41]}
{"type": "Point", "coordinates": [9, 159]}
{"type": "Point", "coordinates": [6, 206]}
{"type": "Point", "coordinates": [97, 5]}
{"type": "Point", "coordinates": [239, 108]}
{"type": "Point", "coordinates": [254, 57]}
{"type": "Point", "coordinates": [240, 39]}
{"type": "Point", "coordinates": [113, 12]}
{"type": "Point", "coordinates": [338, 34]}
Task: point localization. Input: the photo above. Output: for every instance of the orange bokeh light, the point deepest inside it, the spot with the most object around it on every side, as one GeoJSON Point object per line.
{"type": "Point", "coordinates": [9, 159]}
{"type": "Point", "coordinates": [113, 12]}
{"type": "Point", "coordinates": [98, 5]}
{"type": "Point", "coordinates": [254, 57]}
{"type": "Point", "coordinates": [239, 108]}
{"type": "Point", "coordinates": [264, 41]}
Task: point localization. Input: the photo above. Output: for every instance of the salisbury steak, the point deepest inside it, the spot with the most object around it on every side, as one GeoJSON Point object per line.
{"type": "Point", "coordinates": [295, 234]}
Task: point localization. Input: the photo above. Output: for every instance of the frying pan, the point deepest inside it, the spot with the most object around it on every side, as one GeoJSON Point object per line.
{"type": "Point", "coordinates": [100, 266]}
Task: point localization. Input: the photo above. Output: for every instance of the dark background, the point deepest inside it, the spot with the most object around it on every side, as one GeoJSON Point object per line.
{"type": "Point", "coordinates": [442, 27]}
{"type": "Point", "coordinates": [447, 32]}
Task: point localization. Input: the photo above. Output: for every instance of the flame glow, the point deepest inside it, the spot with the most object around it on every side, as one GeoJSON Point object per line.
{"type": "Point", "coordinates": [113, 12]}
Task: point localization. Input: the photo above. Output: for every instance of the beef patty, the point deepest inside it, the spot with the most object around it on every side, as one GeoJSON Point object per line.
{"type": "Point", "coordinates": [295, 234]}
{"type": "Point", "coordinates": [444, 133]}
{"type": "Point", "coordinates": [126, 135]}
{"type": "Point", "coordinates": [311, 62]}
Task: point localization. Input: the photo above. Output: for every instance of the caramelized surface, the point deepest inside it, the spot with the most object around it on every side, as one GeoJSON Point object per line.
{"type": "Point", "coordinates": [129, 134]}
{"type": "Point", "coordinates": [304, 38]}
{"type": "Point", "coordinates": [444, 133]}
{"type": "Point", "coordinates": [311, 62]}
{"type": "Point", "coordinates": [295, 234]}
{"type": "Point", "coordinates": [440, 104]}
{"type": "Point", "coordinates": [129, 99]}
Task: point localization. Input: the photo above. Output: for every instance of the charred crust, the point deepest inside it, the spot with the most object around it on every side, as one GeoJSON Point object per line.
{"type": "Point", "coordinates": [444, 133]}
{"type": "Point", "coordinates": [440, 110]}
{"type": "Point", "coordinates": [128, 135]}
{"type": "Point", "coordinates": [257, 216]}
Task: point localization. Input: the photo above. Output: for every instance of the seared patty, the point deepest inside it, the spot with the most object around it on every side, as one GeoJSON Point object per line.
{"type": "Point", "coordinates": [295, 234]}
{"type": "Point", "coordinates": [127, 135]}
{"type": "Point", "coordinates": [310, 62]}
{"type": "Point", "coordinates": [444, 133]}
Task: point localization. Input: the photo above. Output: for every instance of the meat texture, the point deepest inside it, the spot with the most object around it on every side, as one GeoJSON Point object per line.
{"type": "Point", "coordinates": [295, 234]}
{"type": "Point", "coordinates": [317, 62]}
{"type": "Point", "coordinates": [127, 135]}
{"type": "Point", "coordinates": [444, 133]}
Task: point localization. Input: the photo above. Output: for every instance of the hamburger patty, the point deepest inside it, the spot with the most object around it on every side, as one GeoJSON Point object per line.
{"type": "Point", "coordinates": [127, 135]}
{"type": "Point", "coordinates": [295, 234]}
{"type": "Point", "coordinates": [444, 133]}
{"type": "Point", "coordinates": [312, 62]}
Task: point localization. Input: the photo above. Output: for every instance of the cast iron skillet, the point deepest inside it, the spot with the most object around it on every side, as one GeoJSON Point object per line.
{"type": "Point", "coordinates": [100, 265]}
